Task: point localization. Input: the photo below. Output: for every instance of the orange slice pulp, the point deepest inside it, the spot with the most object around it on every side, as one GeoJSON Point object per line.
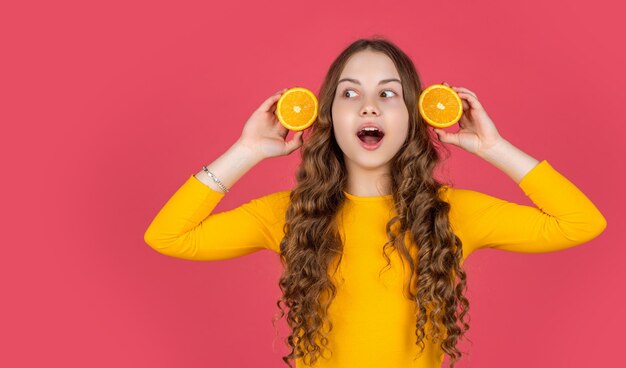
{"type": "Point", "coordinates": [297, 108]}
{"type": "Point", "coordinates": [440, 106]}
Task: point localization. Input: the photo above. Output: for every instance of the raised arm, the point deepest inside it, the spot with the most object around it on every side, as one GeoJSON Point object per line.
{"type": "Point", "coordinates": [186, 226]}
{"type": "Point", "coordinates": [563, 216]}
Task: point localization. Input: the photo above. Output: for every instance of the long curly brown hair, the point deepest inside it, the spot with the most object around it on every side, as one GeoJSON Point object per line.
{"type": "Point", "coordinates": [312, 244]}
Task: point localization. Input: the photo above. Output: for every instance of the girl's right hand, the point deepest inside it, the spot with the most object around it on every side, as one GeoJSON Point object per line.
{"type": "Point", "coordinates": [265, 135]}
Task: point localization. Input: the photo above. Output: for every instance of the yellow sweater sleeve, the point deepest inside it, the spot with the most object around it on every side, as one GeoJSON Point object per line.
{"type": "Point", "coordinates": [563, 216]}
{"type": "Point", "coordinates": [185, 227]}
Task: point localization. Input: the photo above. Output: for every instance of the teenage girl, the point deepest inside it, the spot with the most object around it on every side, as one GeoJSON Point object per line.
{"type": "Point", "coordinates": [371, 243]}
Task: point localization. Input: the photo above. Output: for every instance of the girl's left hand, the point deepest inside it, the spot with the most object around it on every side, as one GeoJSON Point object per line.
{"type": "Point", "coordinates": [477, 131]}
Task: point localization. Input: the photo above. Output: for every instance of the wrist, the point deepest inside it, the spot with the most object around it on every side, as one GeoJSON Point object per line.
{"type": "Point", "coordinates": [494, 150]}
{"type": "Point", "coordinates": [246, 153]}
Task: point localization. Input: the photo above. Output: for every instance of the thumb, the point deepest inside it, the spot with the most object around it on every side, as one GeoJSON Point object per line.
{"type": "Point", "coordinates": [444, 136]}
{"type": "Point", "coordinates": [295, 142]}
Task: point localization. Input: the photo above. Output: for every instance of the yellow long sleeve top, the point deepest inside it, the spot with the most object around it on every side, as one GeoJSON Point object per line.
{"type": "Point", "coordinates": [373, 322]}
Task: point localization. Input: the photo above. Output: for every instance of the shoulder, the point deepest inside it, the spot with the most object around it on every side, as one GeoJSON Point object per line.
{"type": "Point", "coordinates": [467, 204]}
{"type": "Point", "coordinates": [276, 199]}
{"type": "Point", "coordinates": [275, 203]}
{"type": "Point", "coordinates": [464, 204]}
{"type": "Point", "coordinates": [463, 196]}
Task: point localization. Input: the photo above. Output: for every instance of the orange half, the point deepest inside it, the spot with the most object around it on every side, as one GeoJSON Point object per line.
{"type": "Point", "coordinates": [297, 108]}
{"type": "Point", "coordinates": [440, 106]}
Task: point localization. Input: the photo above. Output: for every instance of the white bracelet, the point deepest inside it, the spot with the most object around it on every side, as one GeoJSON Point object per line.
{"type": "Point", "coordinates": [215, 179]}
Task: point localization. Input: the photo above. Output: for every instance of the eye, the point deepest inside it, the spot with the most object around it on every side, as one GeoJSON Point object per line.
{"type": "Point", "coordinates": [390, 91]}
{"type": "Point", "coordinates": [344, 92]}
{"type": "Point", "coordinates": [348, 90]}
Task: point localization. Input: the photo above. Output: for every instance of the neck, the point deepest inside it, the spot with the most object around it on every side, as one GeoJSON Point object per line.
{"type": "Point", "coordinates": [368, 182]}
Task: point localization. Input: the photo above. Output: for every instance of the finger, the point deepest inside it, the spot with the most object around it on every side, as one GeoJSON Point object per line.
{"type": "Point", "coordinates": [280, 93]}
{"type": "Point", "coordinates": [281, 129]}
{"type": "Point", "coordinates": [442, 135]}
{"type": "Point", "coordinates": [267, 104]}
{"type": "Point", "coordinates": [461, 89]}
{"type": "Point", "coordinates": [473, 101]}
{"type": "Point", "coordinates": [465, 104]}
{"type": "Point", "coordinates": [445, 137]}
{"type": "Point", "coordinates": [295, 142]}
{"type": "Point", "coordinates": [274, 107]}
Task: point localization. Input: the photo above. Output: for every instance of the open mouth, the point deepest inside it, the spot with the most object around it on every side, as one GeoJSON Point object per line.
{"type": "Point", "coordinates": [370, 135]}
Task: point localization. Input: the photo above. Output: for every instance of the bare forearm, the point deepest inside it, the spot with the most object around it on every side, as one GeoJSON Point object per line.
{"type": "Point", "coordinates": [510, 159]}
{"type": "Point", "coordinates": [229, 167]}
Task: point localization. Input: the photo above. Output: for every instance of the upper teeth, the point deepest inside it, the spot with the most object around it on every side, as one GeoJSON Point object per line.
{"type": "Point", "coordinates": [370, 129]}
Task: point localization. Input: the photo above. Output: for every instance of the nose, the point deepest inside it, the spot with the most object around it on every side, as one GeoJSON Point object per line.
{"type": "Point", "coordinates": [369, 108]}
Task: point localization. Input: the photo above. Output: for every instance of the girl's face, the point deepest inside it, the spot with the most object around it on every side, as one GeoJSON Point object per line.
{"type": "Point", "coordinates": [369, 96]}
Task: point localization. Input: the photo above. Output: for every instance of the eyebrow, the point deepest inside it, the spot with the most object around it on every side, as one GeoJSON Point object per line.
{"type": "Point", "coordinates": [359, 83]}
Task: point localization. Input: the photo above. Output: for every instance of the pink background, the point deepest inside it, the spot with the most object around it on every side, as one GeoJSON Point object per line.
{"type": "Point", "coordinates": [107, 109]}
